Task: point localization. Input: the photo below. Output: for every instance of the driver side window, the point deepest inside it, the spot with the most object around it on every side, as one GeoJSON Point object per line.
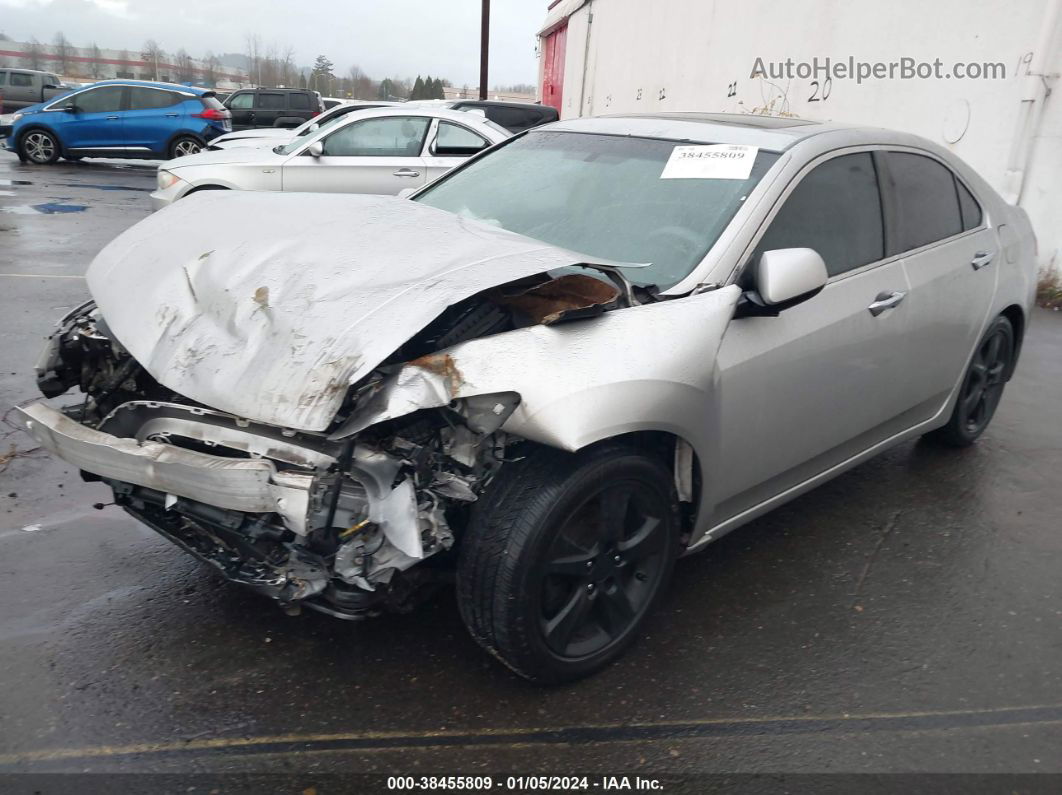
{"type": "Point", "coordinates": [392, 136]}
{"type": "Point", "coordinates": [836, 210]}
{"type": "Point", "coordinates": [107, 99]}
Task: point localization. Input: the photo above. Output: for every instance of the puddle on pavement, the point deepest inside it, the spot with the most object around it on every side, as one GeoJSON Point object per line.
{"type": "Point", "coordinates": [102, 187]}
{"type": "Point", "coordinates": [7, 183]}
{"type": "Point", "coordinates": [49, 208]}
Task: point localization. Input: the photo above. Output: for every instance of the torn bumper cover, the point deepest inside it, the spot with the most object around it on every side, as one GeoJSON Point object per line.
{"type": "Point", "coordinates": [248, 485]}
{"type": "Point", "coordinates": [290, 526]}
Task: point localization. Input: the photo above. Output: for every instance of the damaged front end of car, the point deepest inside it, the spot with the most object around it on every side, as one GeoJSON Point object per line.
{"type": "Point", "coordinates": [352, 520]}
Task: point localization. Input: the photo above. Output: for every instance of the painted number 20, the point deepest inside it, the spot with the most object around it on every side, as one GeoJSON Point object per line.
{"type": "Point", "coordinates": [826, 86]}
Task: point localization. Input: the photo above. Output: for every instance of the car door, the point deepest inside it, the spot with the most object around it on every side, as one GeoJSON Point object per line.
{"type": "Point", "coordinates": [96, 122]}
{"type": "Point", "coordinates": [269, 106]}
{"type": "Point", "coordinates": [451, 144]}
{"type": "Point", "coordinates": [949, 254]}
{"type": "Point", "coordinates": [153, 115]}
{"type": "Point", "coordinates": [241, 105]}
{"type": "Point", "coordinates": [819, 383]}
{"type": "Point", "coordinates": [377, 155]}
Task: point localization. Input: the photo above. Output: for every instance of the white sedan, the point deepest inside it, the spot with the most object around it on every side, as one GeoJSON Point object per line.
{"type": "Point", "coordinates": [382, 150]}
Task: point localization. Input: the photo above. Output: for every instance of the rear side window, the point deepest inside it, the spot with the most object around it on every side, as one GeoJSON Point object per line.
{"type": "Point", "coordinates": [151, 98]}
{"type": "Point", "coordinates": [242, 101]}
{"type": "Point", "coordinates": [268, 101]}
{"type": "Point", "coordinates": [21, 80]}
{"type": "Point", "coordinates": [971, 210]}
{"type": "Point", "coordinates": [300, 101]}
{"type": "Point", "coordinates": [456, 141]}
{"type": "Point", "coordinates": [836, 210]}
{"type": "Point", "coordinates": [211, 102]}
{"type": "Point", "coordinates": [3, 78]}
{"type": "Point", "coordinates": [927, 205]}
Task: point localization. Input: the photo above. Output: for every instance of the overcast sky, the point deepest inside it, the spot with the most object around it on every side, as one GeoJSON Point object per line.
{"type": "Point", "coordinates": [384, 37]}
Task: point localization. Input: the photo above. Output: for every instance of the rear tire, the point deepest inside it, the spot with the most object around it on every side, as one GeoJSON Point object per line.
{"type": "Point", "coordinates": [185, 145]}
{"type": "Point", "coordinates": [982, 387]}
{"type": "Point", "coordinates": [565, 556]}
{"type": "Point", "coordinates": [39, 147]}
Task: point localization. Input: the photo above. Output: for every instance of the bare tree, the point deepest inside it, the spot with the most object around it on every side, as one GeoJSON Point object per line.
{"type": "Point", "coordinates": [254, 58]}
{"type": "Point", "coordinates": [185, 67]}
{"type": "Point", "coordinates": [95, 68]}
{"type": "Point", "coordinates": [211, 66]}
{"type": "Point", "coordinates": [63, 52]}
{"type": "Point", "coordinates": [361, 85]}
{"type": "Point", "coordinates": [289, 73]}
{"type": "Point", "coordinates": [153, 54]}
{"type": "Point", "coordinates": [33, 55]}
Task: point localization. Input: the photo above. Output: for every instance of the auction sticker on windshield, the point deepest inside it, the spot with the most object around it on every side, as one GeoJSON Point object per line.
{"type": "Point", "coordinates": [716, 161]}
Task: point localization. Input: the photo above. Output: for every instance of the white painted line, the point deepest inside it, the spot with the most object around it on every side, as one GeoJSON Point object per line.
{"type": "Point", "coordinates": [40, 276]}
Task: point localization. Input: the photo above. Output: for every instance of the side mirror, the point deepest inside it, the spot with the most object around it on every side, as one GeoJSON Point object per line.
{"type": "Point", "coordinates": [784, 277]}
{"type": "Point", "coordinates": [316, 149]}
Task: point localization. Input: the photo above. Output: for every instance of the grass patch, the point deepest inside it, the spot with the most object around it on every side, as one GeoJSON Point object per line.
{"type": "Point", "coordinates": [1049, 289]}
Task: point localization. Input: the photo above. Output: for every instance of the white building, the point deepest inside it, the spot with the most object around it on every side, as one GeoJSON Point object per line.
{"type": "Point", "coordinates": [992, 65]}
{"type": "Point", "coordinates": [86, 64]}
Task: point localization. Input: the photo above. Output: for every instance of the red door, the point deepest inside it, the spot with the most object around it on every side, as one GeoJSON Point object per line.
{"type": "Point", "coordinates": [553, 67]}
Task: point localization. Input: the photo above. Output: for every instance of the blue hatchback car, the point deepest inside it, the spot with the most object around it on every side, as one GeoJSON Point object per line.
{"type": "Point", "coordinates": [119, 118]}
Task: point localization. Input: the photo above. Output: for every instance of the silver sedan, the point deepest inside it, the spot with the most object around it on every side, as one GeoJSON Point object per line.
{"type": "Point", "coordinates": [602, 345]}
{"type": "Point", "coordinates": [379, 150]}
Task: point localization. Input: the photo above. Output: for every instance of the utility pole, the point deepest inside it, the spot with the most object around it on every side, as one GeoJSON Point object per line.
{"type": "Point", "coordinates": [484, 49]}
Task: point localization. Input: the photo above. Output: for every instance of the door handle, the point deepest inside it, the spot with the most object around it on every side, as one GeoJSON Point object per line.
{"type": "Point", "coordinates": [406, 172]}
{"type": "Point", "coordinates": [172, 115]}
{"type": "Point", "coordinates": [886, 301]}
{"type": "Point", "coordinates": [112, 118]}
{"type": "Point", "coordinates": [981, 259]}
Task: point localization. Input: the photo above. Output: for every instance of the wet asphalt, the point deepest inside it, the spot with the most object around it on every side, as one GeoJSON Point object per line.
{"type": "Point", "coordinates": [905, 617]}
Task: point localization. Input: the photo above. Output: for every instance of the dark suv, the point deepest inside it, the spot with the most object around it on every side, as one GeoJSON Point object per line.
{"type": "Point", "coordinates": [513, 116]}
{"type": "Point", "coordinates": [272, 107]}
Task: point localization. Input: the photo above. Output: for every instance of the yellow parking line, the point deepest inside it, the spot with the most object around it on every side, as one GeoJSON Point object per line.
{"type": "Point", "coordinates": [508, 736]}
{"type": "Point", "coordinates": [40, 276]}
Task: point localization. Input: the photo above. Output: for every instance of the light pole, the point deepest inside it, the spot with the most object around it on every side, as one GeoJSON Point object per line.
{"type": "Point", "coordinates": [484, 49]}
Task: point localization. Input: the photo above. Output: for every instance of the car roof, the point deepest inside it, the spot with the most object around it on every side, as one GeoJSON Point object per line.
{"type": "Point", "coordinates": [775, 133]}
{"type": "Point", "coordinates": [500, 103]}
{"type": "Point", "coordinates": [153, 84]}
{"type": "Point", "coordinates": [410, 109]}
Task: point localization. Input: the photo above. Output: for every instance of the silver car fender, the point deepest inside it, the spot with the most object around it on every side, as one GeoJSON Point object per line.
{"type": "Point", "coordinates": [643, 368]}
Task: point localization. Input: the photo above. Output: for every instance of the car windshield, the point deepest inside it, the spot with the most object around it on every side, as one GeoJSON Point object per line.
{"type": "Point", "coordinates": [603, 196]}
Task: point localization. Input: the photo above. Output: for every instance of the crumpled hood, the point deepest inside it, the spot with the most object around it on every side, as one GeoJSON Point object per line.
{"type": "Point", "coordinates": [269, 305]}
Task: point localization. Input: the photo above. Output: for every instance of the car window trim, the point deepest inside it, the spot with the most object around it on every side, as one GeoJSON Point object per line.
{"type": "Point", "coordinates": [886, 198]}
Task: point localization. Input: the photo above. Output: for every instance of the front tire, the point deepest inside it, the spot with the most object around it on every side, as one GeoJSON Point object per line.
{"type": "Point", "coordinates": [565, 556]}
{"type": "Point", "coordinates": [982, 387]}
{"type": "Point", "coordinates": [38, 146]}
{"type": "Point", "coordinates": [185, 145]}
